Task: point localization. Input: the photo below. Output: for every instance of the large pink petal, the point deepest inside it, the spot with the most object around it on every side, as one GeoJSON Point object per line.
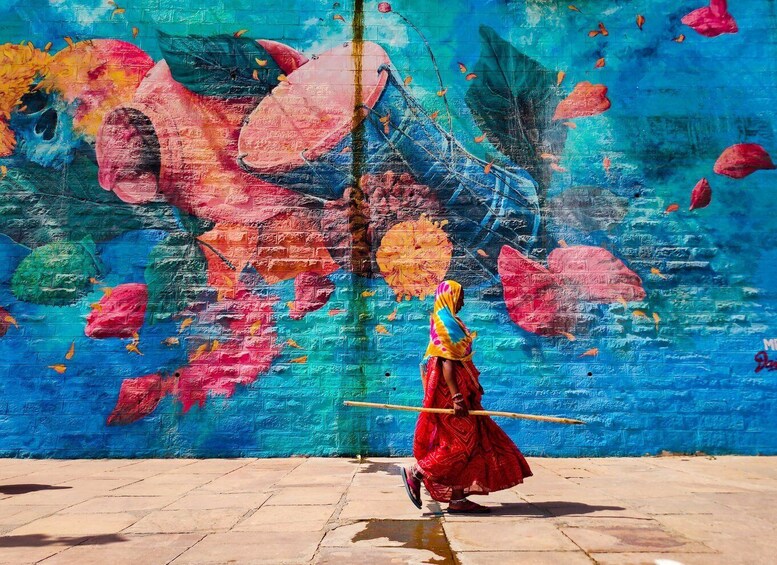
{"type": "Point", "coordinates": [595, 274]}
{"type": "Point", "coordinates": [742, 159]}
{"type": "Point", "coordinates": [119, 313]}
{"type": "Point", "coordinates": [533, 295]}
{"type": "Point", "coordinates": [712, 20]}
{"type": "Point", "coordinates": [313, 109]}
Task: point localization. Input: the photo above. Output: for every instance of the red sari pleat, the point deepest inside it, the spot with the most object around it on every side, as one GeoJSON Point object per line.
{"type": "Point", "coordinates": [472, 453]}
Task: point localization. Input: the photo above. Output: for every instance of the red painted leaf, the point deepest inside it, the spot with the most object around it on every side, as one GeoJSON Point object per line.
{"type": "Point", "coordinates": [595, 274]}
{"type": "Point", "coordinates": [712, 20]}
{"type": "Point", "coordinates": [533, 295]}
{"type": "Point", "coordinates": [311, 292]}
{"type": "Point", "coordinates": [5, 321]}
{"type": "Point", "coordinates": [742, 159]}
{"type": "Point", "coordinates": [701, 195]}
{"type": "Point", "coordinates": [586, 99]}
{"type": "Point", "coordinates": [137, 399]}
{"type": "Point", "coordinates": [119, 313]}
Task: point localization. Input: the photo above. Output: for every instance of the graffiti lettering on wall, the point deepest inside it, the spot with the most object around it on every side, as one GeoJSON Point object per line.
{"type": "Point", "coordinates": [255, 164]}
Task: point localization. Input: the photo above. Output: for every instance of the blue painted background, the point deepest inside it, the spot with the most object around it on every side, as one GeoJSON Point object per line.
{"type": "Point", "coordinates": [687, 386]}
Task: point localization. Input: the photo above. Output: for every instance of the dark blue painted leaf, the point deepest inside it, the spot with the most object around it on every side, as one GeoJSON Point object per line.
{"type": "Point", "coordinates": [40, 205]}
{"type": "Point", "coordinates": [220, 65]}
{"type": "Point", "coordinates": [513, 99]}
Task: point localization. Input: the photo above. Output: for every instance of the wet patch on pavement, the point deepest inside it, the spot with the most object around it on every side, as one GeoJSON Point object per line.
{"type": "Point", "coordinates": [411, 534]}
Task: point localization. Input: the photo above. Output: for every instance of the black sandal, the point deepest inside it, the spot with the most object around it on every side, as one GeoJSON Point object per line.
{"type": "Point", "coordinates": [413, 492]}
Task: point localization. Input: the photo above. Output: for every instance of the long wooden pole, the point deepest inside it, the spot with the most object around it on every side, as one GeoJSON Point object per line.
{"type": "Point", "coordinates": [471, 412]}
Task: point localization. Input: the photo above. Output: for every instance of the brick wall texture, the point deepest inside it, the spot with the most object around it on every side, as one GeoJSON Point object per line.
{"type": "Point", "coordinates": [221, 219]}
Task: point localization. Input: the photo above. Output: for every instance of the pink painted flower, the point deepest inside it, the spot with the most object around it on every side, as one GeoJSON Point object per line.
{"type": "Point", "coordinates": [119, 313]}
{"type": "Point", "coordinates": [384, 7]}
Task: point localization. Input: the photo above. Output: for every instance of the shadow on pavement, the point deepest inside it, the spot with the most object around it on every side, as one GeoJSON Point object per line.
{"type": "Point", "coordinates": [377, 467]}
{"type": "Point", "coordinates": [41, 540]}
{"type": "Point", "coordinates": [552, 508]}
{"type": "Point", "coordinates": [24, 489]}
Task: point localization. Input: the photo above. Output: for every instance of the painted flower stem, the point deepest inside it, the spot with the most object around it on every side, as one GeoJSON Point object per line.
{"type": "Point", "coordinates": [436, 70]}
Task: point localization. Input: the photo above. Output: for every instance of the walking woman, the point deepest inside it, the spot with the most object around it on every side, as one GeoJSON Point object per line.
{"type": "Point", "coordinates": [457, 455]}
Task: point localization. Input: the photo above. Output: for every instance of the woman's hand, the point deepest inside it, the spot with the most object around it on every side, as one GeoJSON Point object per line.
{"type": "Point", "coordinates": [459, 406]}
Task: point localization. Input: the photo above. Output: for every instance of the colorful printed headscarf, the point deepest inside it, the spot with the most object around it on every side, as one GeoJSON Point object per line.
{"type": "Point", "coordinates": [449, 338]}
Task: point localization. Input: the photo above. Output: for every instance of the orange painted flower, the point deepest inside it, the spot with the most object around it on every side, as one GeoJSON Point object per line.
{"type": "Point", "coordinates": [100, 74]}
{"type": "Point", "coordinates": [414, 256]}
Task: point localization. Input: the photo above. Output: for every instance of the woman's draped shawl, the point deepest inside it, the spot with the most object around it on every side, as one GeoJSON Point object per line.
{"type": "Point", "coordinates": [449, 338]}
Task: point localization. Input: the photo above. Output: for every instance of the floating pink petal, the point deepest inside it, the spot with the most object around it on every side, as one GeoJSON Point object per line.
{"type": "Point", "coordinates": [586, 99]}
{"type": "Point", "coordinates": [701, 195]}
{"type": "Point", "coordinates": [711, 20]}
{"type": "Point", "coordinates": [311, 292]}
{"type": "Point", "coordinates": [533, 295]}
{"type": "Point", "coordinates": [138, 398]}
{"type": "Point", "coordinates": [384, 7]}
{"type": "Point", "coordinates": [595, 274]}
{"type": "Point", "coordinates": [742, 159]}
{"type": "Point", "coordinates": [119, 313]}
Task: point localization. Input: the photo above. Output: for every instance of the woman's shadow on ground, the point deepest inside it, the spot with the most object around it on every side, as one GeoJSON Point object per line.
{"type": "Point", "coordinates": [549, 509]}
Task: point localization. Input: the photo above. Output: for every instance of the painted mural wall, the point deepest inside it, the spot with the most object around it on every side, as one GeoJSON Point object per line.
{"type": "Point", "coordinates": [219, 220]}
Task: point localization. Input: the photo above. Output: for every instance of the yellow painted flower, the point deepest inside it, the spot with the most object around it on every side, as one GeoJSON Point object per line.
{"type": "Point", "coordinates": [414, 256]}
{"type": "Point", "coordinates": [20, 64]}
{"type": "Point", "coordinates": [100, 74]}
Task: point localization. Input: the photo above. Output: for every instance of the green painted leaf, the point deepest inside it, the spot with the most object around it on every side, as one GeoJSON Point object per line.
{"type": "Point", "coordinates": [176, 276]}
{"type": "Point", "coordinates": [513, 99]}
{"type": "Point", "coordinates": [40, 205]}
{"type": "Point", "coordinates": [220, 65]}
{"type": "Point", "coordinates": [56, 274]}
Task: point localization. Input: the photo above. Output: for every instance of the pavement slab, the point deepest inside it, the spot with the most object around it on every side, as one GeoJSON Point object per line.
{"type": "Point", "coordinates": [156, 549]}
{"type": "Point", "coordinates": [613, 511]}
{"type": "Point", "coordinates": [287, 519]}
{"type": "Point", "coordinates": [252, 548]}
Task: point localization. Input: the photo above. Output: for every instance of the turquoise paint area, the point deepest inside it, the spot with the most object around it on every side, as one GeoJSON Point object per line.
{"type": "Point", "coordinates": [687, 385]}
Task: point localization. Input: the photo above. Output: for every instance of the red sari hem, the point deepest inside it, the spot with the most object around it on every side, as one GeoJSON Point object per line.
{"type": "Point", "coordinates": [469, 453]}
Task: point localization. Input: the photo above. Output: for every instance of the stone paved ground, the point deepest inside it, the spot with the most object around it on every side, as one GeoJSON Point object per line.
{"type": "Point", "coordinates": [660, 511]}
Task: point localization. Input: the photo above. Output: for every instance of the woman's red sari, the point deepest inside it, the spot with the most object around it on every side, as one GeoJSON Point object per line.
{"type": "Point", "coordinates": [471, 453]}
